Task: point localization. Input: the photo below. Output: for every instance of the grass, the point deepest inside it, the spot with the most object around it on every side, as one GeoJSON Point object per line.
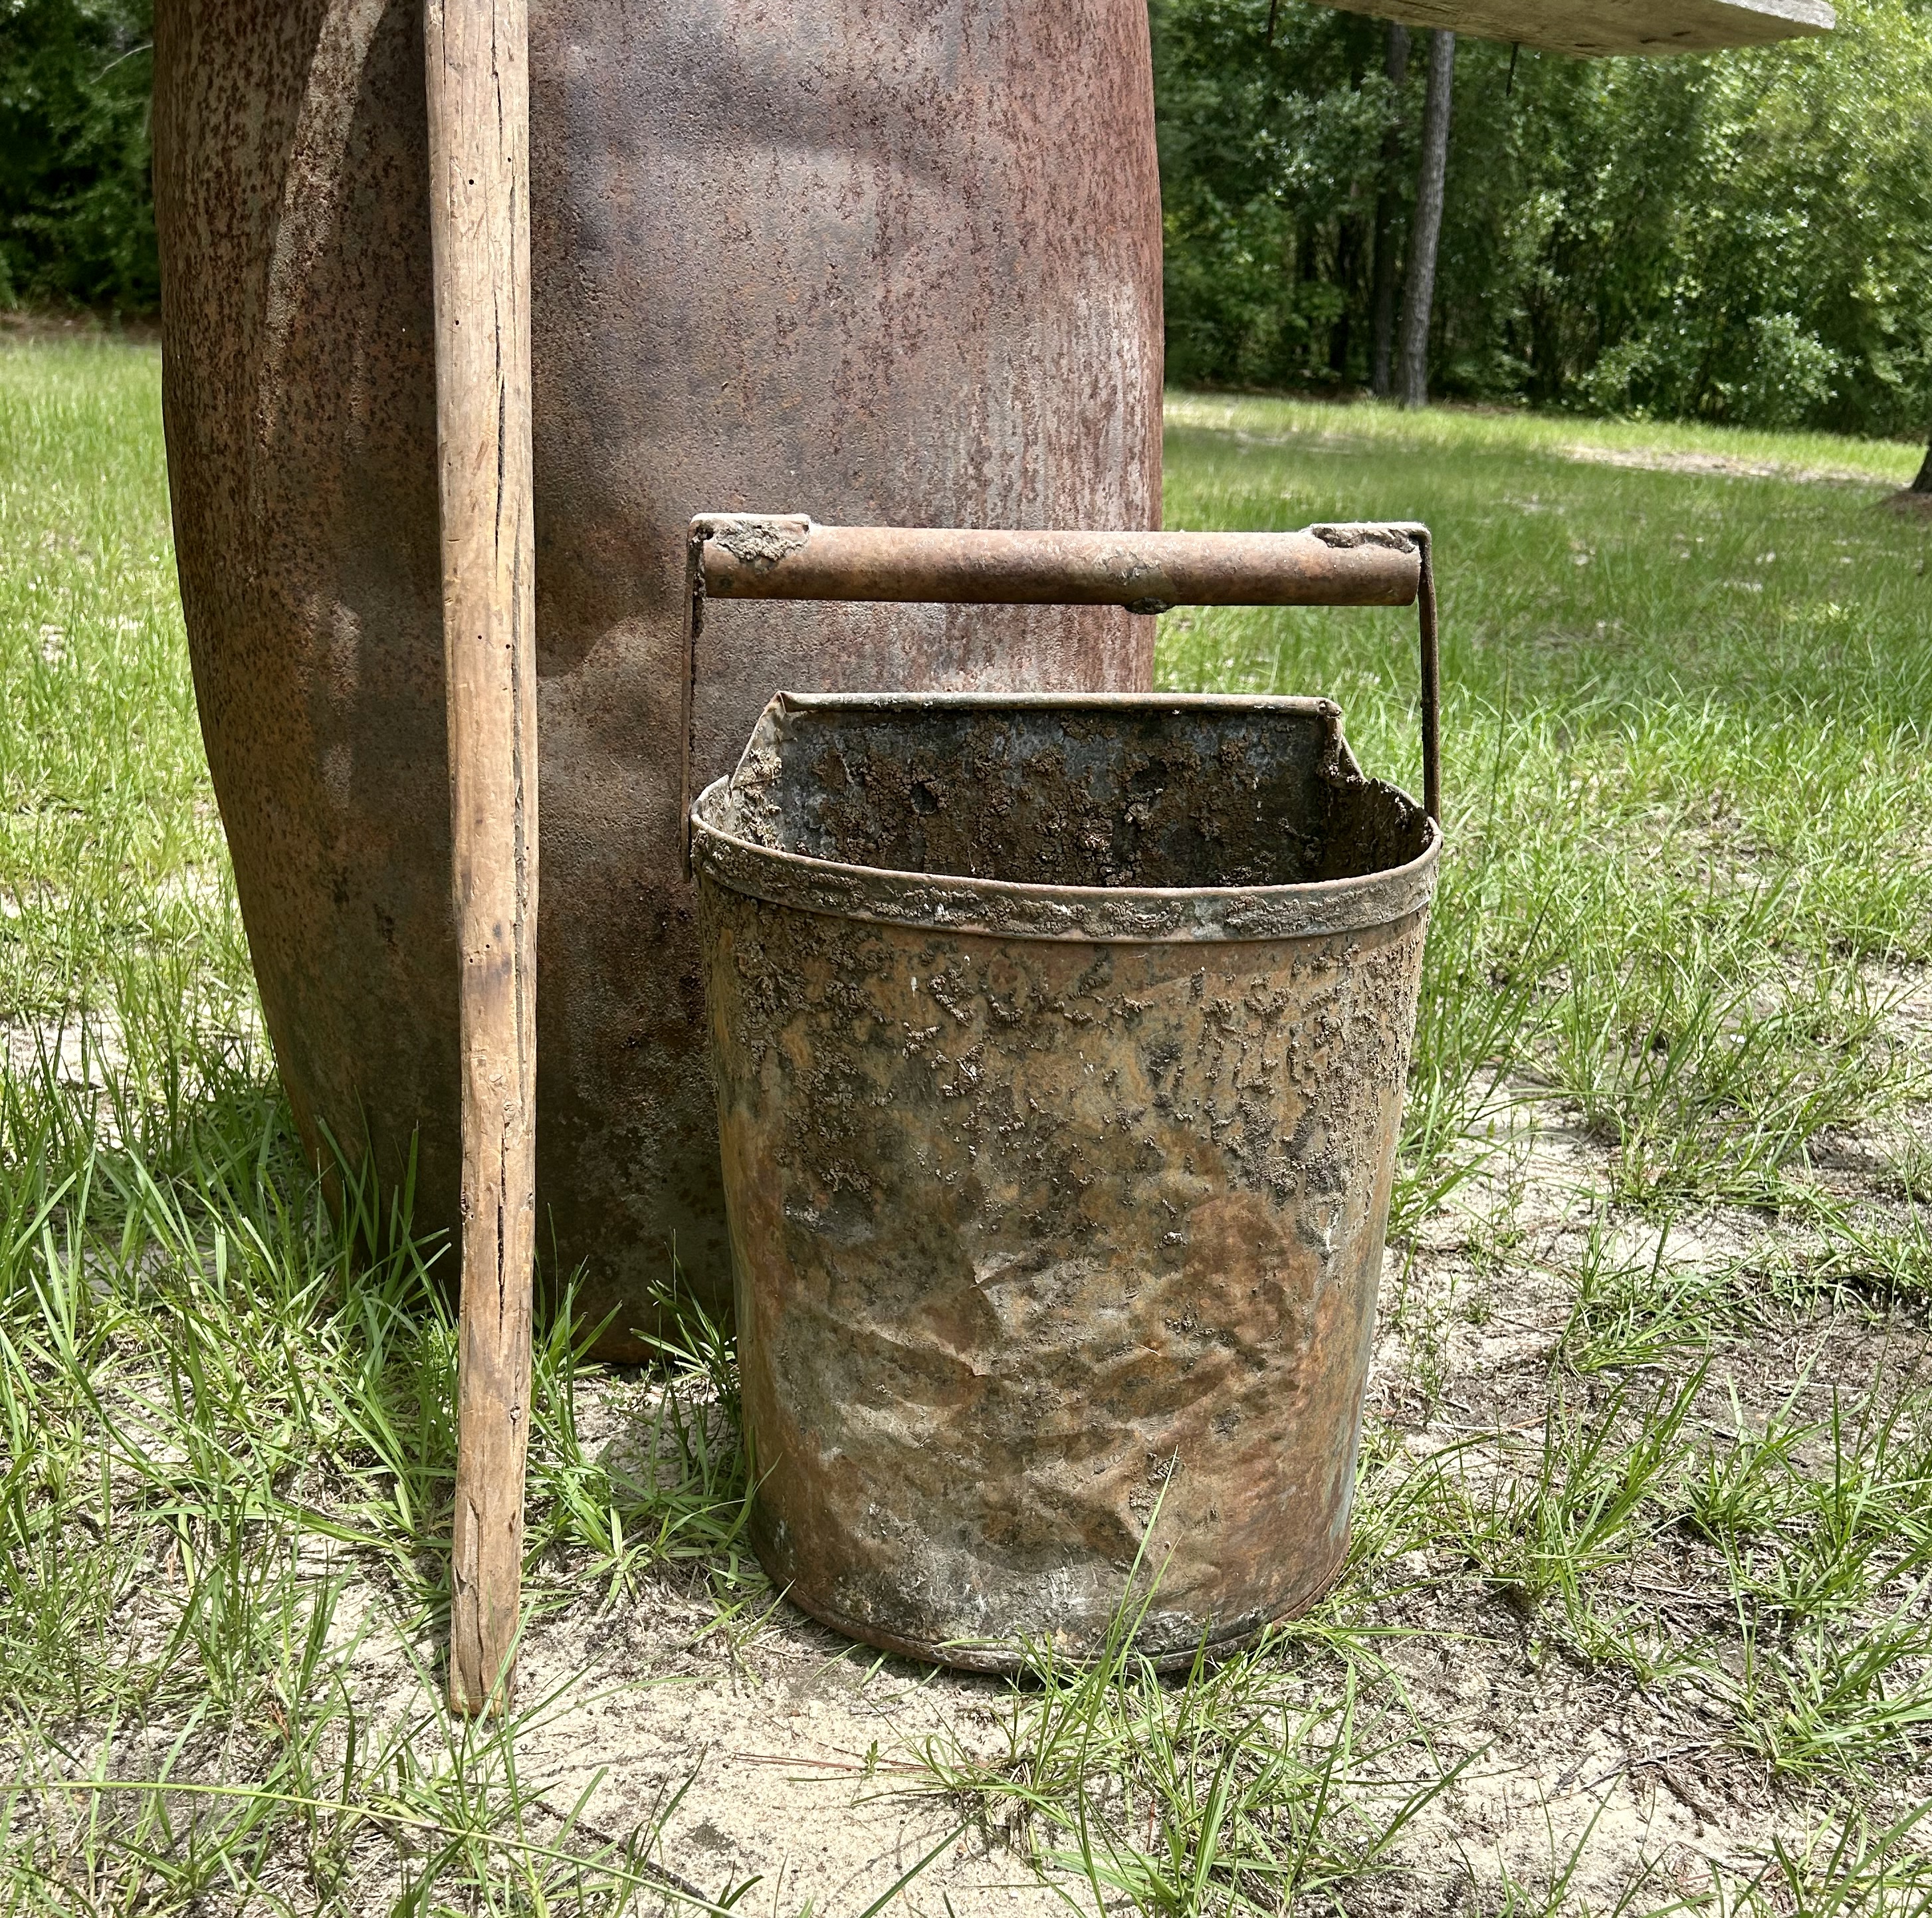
{"type": "Point", "coordinates": [1684, 764]}
{"type": "Point", "coordinates": [1651, 1424]}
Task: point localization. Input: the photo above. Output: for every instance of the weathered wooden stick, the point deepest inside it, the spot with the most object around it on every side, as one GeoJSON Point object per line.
{"type": "Point", "coordinates": [479, 224]}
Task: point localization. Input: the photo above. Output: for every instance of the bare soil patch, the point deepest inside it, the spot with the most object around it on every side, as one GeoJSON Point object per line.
{"type": "Point", "coordinates": [787, 1755]}
{"type": "Point", "coordinates": [1724, 466]}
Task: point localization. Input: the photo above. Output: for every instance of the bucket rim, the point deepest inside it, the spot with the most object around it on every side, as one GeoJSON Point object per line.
{"type": "Point", "coordinates": [1009, 909]}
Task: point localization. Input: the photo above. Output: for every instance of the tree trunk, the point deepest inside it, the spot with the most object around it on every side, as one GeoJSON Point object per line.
{"type": "Point", "coordinates": [1923, 483]}
{"type": "Point", "coordinates": [1425, 229]}
{"type": "Point", "coordinates": [1348, 257]}
{"type": "Point", "coordinates": [1396, 66]}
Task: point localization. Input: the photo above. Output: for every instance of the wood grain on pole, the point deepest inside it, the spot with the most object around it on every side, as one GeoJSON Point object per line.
{"type": "Point", "coordinates": [479, 175]}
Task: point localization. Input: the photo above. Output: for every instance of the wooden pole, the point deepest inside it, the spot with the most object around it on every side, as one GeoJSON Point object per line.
{"type": "Point", "coordinates": [479, 207]}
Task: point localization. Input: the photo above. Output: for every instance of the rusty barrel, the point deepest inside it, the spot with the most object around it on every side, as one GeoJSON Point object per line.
{"type": "Point", "coordinates": [1059, 1046]}
{"type": "Point", "coordinates": [902, 259]}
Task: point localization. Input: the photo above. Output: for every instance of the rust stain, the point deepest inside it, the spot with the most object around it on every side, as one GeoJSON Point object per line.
{"type": "Point", "coordinates": [857, 253]}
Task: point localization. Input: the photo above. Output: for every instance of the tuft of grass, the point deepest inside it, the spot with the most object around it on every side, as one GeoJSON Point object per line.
{"type": "Point", "coordinates": [1890, 1256]}
{"type": "Point", "coordinates": [1223, 1793]}
{"type": "Point", "coordinates": [1685, 770]}
{"type": "Point", "coordinates": [1632, 1313]}
{"type": "Point", "coordinates": [1603, 1482]}
{"type": "Point", "coordinates": [1837, 1707]}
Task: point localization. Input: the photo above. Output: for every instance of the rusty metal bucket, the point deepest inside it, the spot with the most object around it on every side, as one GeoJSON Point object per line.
{"type": "Point", "coordinates": [1059, 1046]}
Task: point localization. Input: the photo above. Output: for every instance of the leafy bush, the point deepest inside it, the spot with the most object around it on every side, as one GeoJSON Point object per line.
{"type": "Point", "coordinates": [76, 212]}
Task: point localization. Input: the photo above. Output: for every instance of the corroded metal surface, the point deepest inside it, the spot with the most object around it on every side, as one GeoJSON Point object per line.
{"type": "Point", "coordinates": [1057, 1240]}
{"type": "Point", "coordinates": [859, 253]}
{"type": "Point", "coordinates": [749, 555]}
{"type": "Point", "coordinates": [784, 556]}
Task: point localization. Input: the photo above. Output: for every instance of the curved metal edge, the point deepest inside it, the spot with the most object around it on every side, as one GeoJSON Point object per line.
{"type": "Point", "coordinates": [1313, 705]}
{"type": "Point", "coordinates": [1096, 915]}
{"type": "Point", "coordinates": [1003, 1660]}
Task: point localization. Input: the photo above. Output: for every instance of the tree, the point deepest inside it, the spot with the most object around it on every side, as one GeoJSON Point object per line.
{"type": "Point", "coordinates": [1425, 227]}
{"type": "Point", "coordinates": [1743, 236]}
{"type": "Point", "coordinates": [1395, 66]}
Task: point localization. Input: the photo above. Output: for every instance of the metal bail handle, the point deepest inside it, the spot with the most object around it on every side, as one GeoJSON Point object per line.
{"type": "Point", "coordinates": [784, 556]}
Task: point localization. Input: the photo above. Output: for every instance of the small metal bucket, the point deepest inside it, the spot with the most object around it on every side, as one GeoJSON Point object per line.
{"type": "Point", "coordinates": [1059, 1046]}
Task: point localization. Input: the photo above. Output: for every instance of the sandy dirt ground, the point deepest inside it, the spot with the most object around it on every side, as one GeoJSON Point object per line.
{"type": "Point", "coordinates": [791, 1755]}
{"type": "Point", "coordinates": [766, 1747]}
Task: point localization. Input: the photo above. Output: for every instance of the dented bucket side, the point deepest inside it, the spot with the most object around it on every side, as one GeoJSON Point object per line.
{"type": "Point", "coordinates": [1052, 1255]}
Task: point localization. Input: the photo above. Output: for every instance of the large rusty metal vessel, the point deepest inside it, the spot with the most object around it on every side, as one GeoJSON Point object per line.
{"type": "Point", "coordinates": [1060, 1045]}
{"type": "Point", "coordinates": [900, 261]}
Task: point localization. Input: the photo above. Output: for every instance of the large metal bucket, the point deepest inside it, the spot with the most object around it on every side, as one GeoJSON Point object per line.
{"type": "Point", "coordinates": [1060, 1046]}
{"type": "Point", "coordinates": [912, 252]}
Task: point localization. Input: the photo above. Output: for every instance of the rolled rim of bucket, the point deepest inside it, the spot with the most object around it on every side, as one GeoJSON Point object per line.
{"type": "Point", "coordinates": [1014, 910]}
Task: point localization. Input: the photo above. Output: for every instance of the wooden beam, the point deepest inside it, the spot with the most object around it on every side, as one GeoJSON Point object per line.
{"type": "Point", "coordinates": [479, 205]}
{"type": "Point", "coordinates": [1615, 26]}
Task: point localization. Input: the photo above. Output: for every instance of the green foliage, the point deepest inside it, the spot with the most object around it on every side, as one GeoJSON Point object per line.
{"type": "Point", "coordinates": [1744, 237]}
{"type": "Point", "coordinates": [1269, 170]}
{"type": "Point", "coordinates": [77, 213]}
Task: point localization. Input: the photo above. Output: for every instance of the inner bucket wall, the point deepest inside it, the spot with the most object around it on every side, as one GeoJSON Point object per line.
{"type": "Point", "coordinates": [1057, 1209]}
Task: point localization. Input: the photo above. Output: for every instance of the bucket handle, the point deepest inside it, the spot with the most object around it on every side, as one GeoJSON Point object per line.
{"type": "Point", "coordinates": [785, 555]}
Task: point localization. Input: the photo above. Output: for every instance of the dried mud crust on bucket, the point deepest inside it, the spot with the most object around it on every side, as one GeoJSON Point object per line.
{"type": "Point", "coordinates": [1057, 1156]}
